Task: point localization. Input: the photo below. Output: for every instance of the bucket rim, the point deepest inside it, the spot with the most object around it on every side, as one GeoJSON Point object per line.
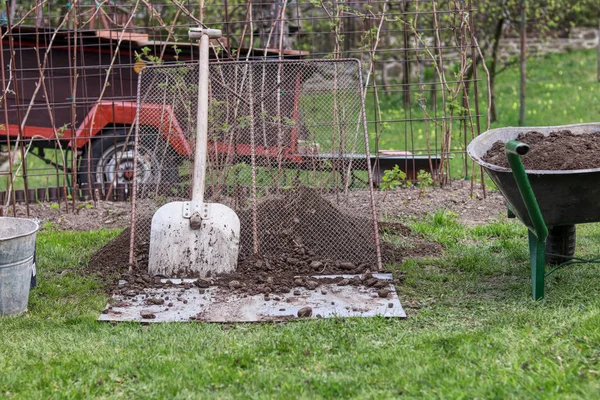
{"type": "Point", "coordinates": [476, 142]}
{"type": "Point", "coordinates": [33, 221]}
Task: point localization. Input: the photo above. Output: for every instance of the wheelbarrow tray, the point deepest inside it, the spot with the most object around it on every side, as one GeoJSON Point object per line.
{"type": "Point", "coordinates": [564, 197]}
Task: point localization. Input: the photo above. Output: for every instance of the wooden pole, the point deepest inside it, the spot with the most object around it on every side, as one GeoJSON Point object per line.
{"type": "Point", "coordinates": [523, 63]}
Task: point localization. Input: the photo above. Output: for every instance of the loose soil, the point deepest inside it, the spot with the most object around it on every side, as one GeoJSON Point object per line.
{"type": "Point", "coordinates": [86, 216]}
{"type": "Point", "coordinates": [399, 204]}
{"type": "Point", "coordinates": [559, 151]}
{"type": "Point", "coordinates": [291, 253]}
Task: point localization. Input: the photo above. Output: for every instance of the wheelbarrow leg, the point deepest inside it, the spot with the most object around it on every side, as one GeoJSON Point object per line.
{"type": "Point", "coordinates": [537, 257]}
{"type": "Point", "coordinates": [538, 232]}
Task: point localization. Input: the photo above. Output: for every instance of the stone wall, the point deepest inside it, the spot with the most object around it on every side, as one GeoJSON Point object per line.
{"type": "Point", "coordinates": [579, 39]}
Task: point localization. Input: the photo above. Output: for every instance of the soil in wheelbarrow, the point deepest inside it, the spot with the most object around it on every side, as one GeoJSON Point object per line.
{"type": "Point", "coordinates": [282, 264]}
{"type": "Point", "coordinates": [560, 150]}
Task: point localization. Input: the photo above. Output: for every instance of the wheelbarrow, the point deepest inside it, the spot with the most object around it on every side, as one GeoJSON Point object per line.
{"type": "Point", "coordinates": [549, 203]}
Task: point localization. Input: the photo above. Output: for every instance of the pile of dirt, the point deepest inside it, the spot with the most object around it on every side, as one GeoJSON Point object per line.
{"type": "Point", "coordinates": [302, 218]}
{"type": "Point", "coordinates": [560, 150]}
{"type": "Point", "coordinates": [300, 234]}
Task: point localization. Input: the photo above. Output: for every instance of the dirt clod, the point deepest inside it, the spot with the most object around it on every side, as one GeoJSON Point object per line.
{"type": "Point", "coordinates": [380, 284]}
{"type": "Point", "coordinates": [155, 301]}
{"type": "Point", "coordinates": [202, 283]}
{"type": "Point", "coordinates": [311, 285]}
{"type": "Point", "coordinates": [305, 312]}
{"type": "Point", "coordinates": [147, 314]}
{"type": "Point", "coordinates": [348, 266]}
{"type": "Point", "coordinates": [235, 284]}
{"type": "Point", "coordinates": [383, 293]}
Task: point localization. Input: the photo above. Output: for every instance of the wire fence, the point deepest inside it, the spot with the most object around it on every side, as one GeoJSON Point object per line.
{"type": "Point", "coordinates": [286, 143]}
{"type": "Point", "coordinates": [70, 72]}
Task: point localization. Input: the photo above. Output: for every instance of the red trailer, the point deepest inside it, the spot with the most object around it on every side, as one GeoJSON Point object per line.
{"type": "Point", "coordinates": [80, 93]}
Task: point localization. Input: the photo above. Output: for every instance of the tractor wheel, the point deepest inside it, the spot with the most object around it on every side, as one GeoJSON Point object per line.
{"type": "Point", "coordinates": [561, 241]}
{"type": "Point", "coordinates": [111, 158]}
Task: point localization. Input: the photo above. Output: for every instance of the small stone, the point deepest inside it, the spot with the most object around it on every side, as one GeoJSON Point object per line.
{"type": "Point", "coordinates": [383, 293]}
{"type": "Point", "coordinates": [304, 312]}
{"type": "Point", "coordinates": [323, 291]}
{"type": "Point", "coordinates": [105, 311]}
{"type": "Point", "coordinates": [147, 314]}
{"type": "Point", "coordinates": [292, 261]}
{"type": "Point", "coordinates": [282, 309]}
{"type": "Point", "coordinates": [235, 285]}
{"type": "Point", "coordinates": [155, 301]}
{"type": "Point", "coordinates": [390, 305]}
{"type": "Point", "coordinates": [297, 293]}
{"type": "Point", "coordinates": [267, 297]}
{"type": "Point", "coordinates": [298, 281]}
{"type": "Point", "coordinates": [311, 285]}
{"type": "Point", "coordinates": [202, 291]}
{"type": "Point", "coordinates": [344, 282]}
{"type": "Point", "coordinates": [185, 301]}
{"type": "Point", "coordinates": [316, 264]}
{"type": "Point", "coordinates": [170, 304]}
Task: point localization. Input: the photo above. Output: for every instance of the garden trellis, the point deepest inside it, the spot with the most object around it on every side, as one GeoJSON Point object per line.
{"type": "Point", "coordinates": [69, 82]}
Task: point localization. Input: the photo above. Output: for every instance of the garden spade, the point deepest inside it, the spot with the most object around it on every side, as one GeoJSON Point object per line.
{"type": "Point", "coordinates": [195, 238]}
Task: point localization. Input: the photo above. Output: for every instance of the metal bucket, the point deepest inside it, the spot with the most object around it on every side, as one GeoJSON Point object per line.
{"type": "Point", "coordinates": [17, 250]}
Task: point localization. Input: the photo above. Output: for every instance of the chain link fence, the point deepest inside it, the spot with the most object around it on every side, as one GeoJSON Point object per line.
{"type": "Point", "coordinates": [287, 144]}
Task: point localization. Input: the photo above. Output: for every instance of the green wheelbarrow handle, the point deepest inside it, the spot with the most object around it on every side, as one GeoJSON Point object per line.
{"type": "Point", "coordinates": [537, 237]}
{"type": "Point", "coordinates": [514, 151]}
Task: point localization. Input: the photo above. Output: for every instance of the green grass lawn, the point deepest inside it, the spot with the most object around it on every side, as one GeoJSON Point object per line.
{"type": "Point", "coordinates": [473, 332]}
